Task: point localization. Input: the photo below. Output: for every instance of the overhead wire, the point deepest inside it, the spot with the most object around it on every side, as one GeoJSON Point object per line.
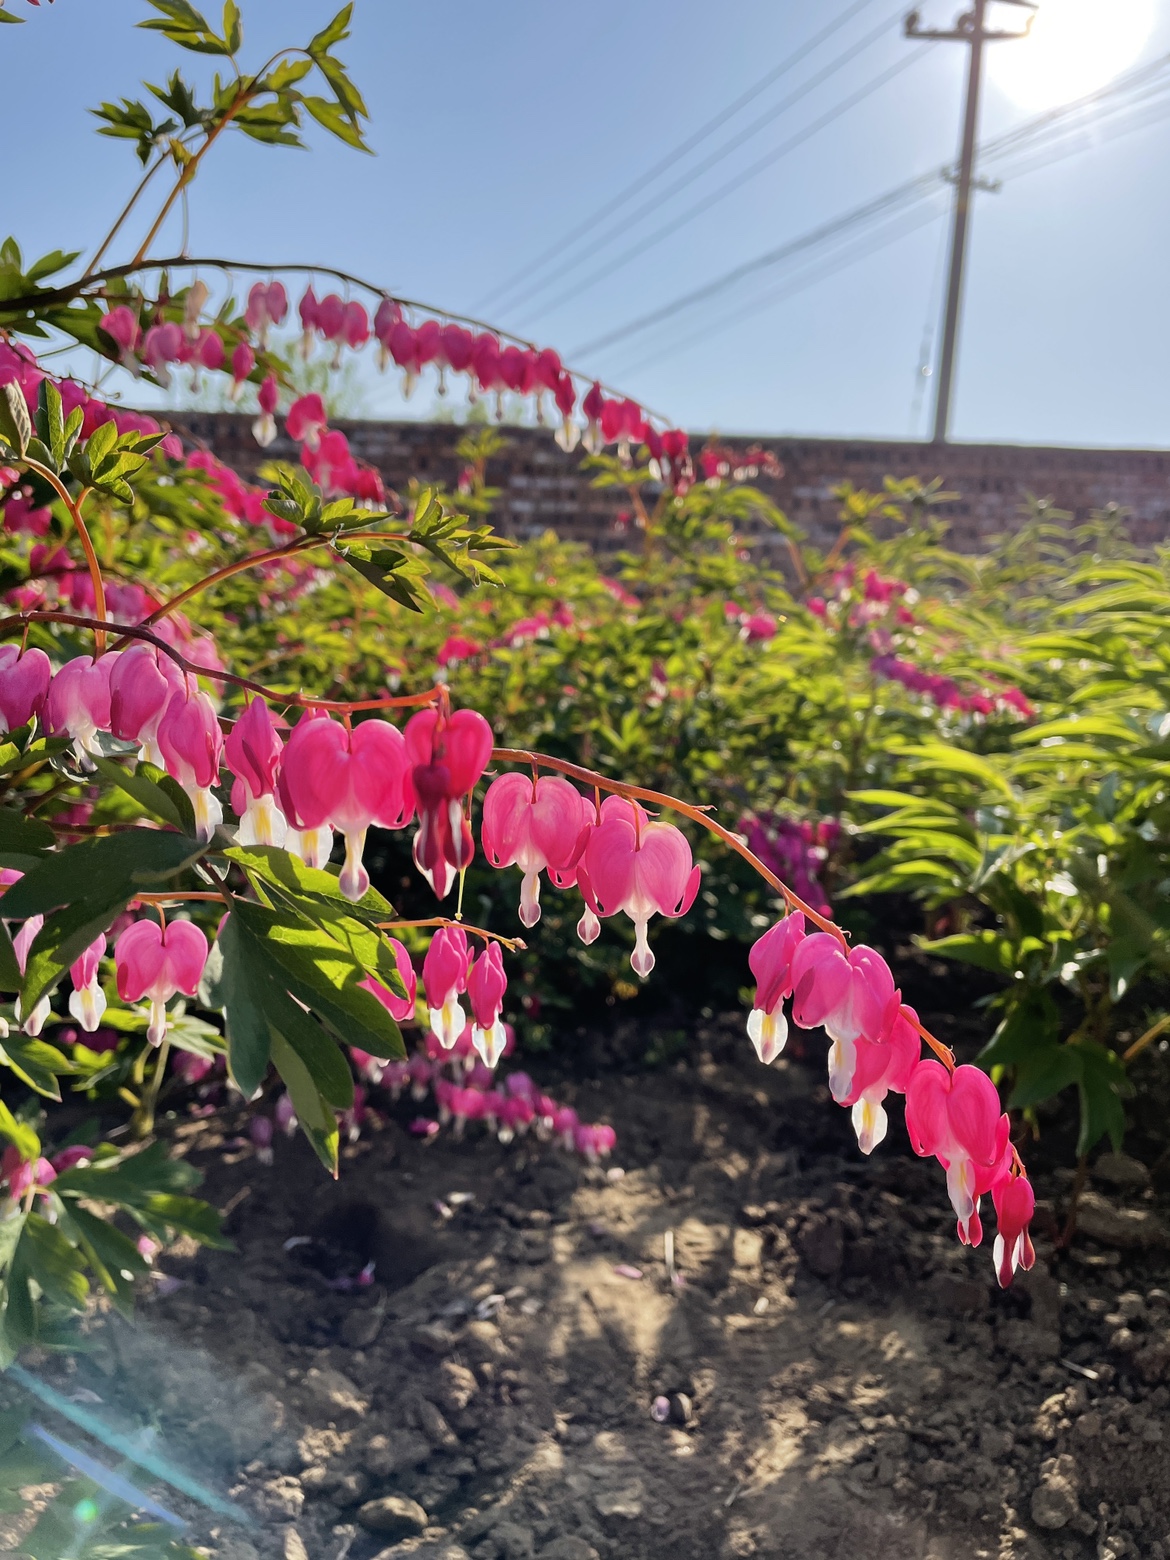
{"type": "Point", "coordinates": [688, 144]}
{"type": "Point", "coordinates": [1059, 149]}
{"type": "Point", "coordinates": [1054, 126]}
{"type": "Point", "coordinates": [729, 187]}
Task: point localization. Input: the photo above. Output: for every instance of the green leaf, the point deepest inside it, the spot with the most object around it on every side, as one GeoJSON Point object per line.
{"type": "Point", "coordinates": [286, 871]}
{"type": "Point", "coordinates": [113, 1256]}
{"type": "Point", "coordinates": [54, 1263]}
{"type": "Point", "coordinates": [987, 950]}
{"type": "Point", "coordinates": [241, 993]}
{"type": "Point", "coordinates": [10, 976]}
{"type": "Point", "coordinates": [1032, 1023]}
{"type": "Point", "coordinates": [187, 1215]}
{"type": "Point", "coordinates": [336, 121]}
{"type": "Point", "coordinates": [336, 31]}
{"type": "Point", "coordinates": [325, 976]}
{"type": "Point", "coordinates": [51, 422]}
{"type": "Point", "coordinates": [232, 31]}
{"type": "Point", "coordinates": [317, 1121]}
{"type": "Point", "coordinates": [129, 1179]}
{"type": "Point", "coordinates": [1044, 1072]}
{"type": "Point", "coordinates": [15, 423]}
{"type": "Point", "coordinates": [134, 859]}
{"type": "Point", "coordinates": [23, 836]}
{"type": "Point", "coordinates": [19, 1134]}
{"type": "Point", "coordinates": [65, 936]}
{"type": "Point", "coordinates": [145, 785]}
{"type": "Point", "coordinates": [1103, 1083]}
{"type": "Point", "coordinates": [37, 1062]}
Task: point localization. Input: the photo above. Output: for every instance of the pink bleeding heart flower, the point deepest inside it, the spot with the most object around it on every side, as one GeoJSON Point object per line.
{"type": "Point", "coordinates": [849, 994]}
{"type": "Point", "coordinates": [532, 824]}
{"type": "Point", "coordinates": [70, 1158]}
{"type": "Point", "coordinates": [285, 1116]}
{"type": "Point", "coordinates": [330, 316]}
{"type": "Point", "coordinates": [210, 351]}
{"type": "Point", "coordinates": [355, 326]}
{"type": "Point", "coordinates": [267, 306]}
{"type": "Point", "coordinates": [770, 960]}
{"type": "Point", "coordinates": [593, 405]}
{"type": "Point", "coordinates": [22, 1175]}
{"type": "Point", "coordinates": [243, 362]}
{"type": "Point", "coordinates": [264, 428]}
{"type": "Point", "coordinates": [191, 744]}
{"type": "Point", "coordinates": [595, 1142]}
{"type": "Point", "coordinates": [253, 752]}
{"type": "Point", "coordinates": [881, 1067]}
{"type": "Point", "coordinates": [957, 1117]}
{"type": "Point", "coordinates": [347, 780]}
{"type": "Point", "coordinates": [308, 309]}
{"type": "Point", "coordinates": [163, 345]}
{"type": "Point", "coordinates": [21, 944]}
{"type": "Point", "coordinates": [642, 867]}
{"type": "Point", "coordinates": [386, 317]}
{"type": "Point", "coordinates": [78, 702]}
{"type": "Point", "coordinates": [400, 1009]}
{"type": "Point", "coordinates": [121, 325]}
{"type": "Point", "coordinates": [565, 395]}
{"type": "Point", "coordinates": [448, 754]}
{"type": "Point", "coordinates": [142, 684]}
{"type": "Point", "coordinates": [152, 963]}
{"type": "Point", "coordinates": [306, 420]}
{"type": "Point", "coordinates": [24, 685]}
{"type": "Point", "coordinates": [1015, 1203]}
{"type": "Point", "coordinates": [445, 971]}
{"type": "Point", "coordinates": [486, 985]}
{"type": "Point", "coordinates": [87, 1000]}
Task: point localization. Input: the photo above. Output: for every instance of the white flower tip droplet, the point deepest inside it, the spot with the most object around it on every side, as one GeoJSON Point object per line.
{"type": "Point", "coordinates": [768, 1032]}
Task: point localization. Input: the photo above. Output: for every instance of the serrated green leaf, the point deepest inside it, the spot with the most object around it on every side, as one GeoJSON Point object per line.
{"type": "Point", "coordinates": [335, 32]}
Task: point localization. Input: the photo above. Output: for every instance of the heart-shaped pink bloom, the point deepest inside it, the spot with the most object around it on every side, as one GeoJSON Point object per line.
{"type": "Point", "coordinates": [253, 751]}
{"type": "Point", "coordinates": [355, 325]}
{"type": "Point", "coordinates": [346, 780]}
{"type": "Point", "coordinates": [770, 961]}
{"type": "Point", "coordinates": [881, 1067]}
{"type": "Point", "coordinates": [533, 825]}
{"type": "Point", "coordinates": [191, 744]}
{"type": "Point", "coordinates": [641, 867]}
{"type": "Point", "coordinates": [399, 1008]}
{"type": "Point", "coordinates": [154, 964]}
{"type": "Point", "coordinates": [330, 316]}
{"type": "Point", "coordinates": [87, 1000]}
{"type": "Point", "coordinates": [1015, 1203]}
{"type": "Point", "coordinates": [486, 985]}
{"type": "Point", "coordinates": [142, 684]}
{"type": "Point", "coordinates": [24, 685]}
{"type": "Point", "coordinates": [957, 1117]}
{"type": "Point", "coordinates": [448, 756]}
{"type": "Point", "coordinates": [456, 346]}
{"type": "Point", "coordinates": [78, 702]}
{"type": "Point", "coordinates": [306, 420]}
{"type": "Point", "coordinates": [445, 971]}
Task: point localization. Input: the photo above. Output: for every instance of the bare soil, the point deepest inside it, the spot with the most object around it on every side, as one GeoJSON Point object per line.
{"type": "Point", "coordinates": [844, 1379]}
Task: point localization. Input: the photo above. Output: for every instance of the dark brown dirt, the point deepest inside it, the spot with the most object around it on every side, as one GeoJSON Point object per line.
{"type": "Point", "coordinates": [845, 1378]}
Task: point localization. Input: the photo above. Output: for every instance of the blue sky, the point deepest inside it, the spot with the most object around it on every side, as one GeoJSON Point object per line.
{"type": "Point", "coordinates": [499, 129]}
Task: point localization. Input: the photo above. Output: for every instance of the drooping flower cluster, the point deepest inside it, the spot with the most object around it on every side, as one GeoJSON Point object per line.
{"type": "Point", "coordinates": [945, 692]}
{"type": "Point", "coordinates": [952, 1113]}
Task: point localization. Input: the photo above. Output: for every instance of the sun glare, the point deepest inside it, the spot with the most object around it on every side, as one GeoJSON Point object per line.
{"type": "Point", "coordinates": [1075, 47]}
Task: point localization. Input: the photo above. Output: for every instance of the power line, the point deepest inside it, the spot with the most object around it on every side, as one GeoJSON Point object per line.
{"type": "Point", "coordinates": [1060, 148]}
{"type": "Point", "coordinates": [636, 186]}
{"type": "Point", "coordinates": [1027, 135]}
{"type": "Point", "coordinates": [731, 185]}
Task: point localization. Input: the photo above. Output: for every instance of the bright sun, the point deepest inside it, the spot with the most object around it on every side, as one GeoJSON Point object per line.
{"type": "Point", "coordinates": [1075, 47]}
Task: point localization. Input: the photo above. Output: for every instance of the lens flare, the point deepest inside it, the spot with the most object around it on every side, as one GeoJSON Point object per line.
{"type": "Point", "coordinates": [1075, 47]}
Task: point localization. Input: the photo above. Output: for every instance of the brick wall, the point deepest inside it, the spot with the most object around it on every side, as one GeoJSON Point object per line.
{"type": "Point", "coordinates": [542, 487]}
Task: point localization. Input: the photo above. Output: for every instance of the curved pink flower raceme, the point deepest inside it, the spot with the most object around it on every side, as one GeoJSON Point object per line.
{"type": "Point", "coordinates": [253, 752]}
{"type": "Point", "coordinates": [154, 964]}
{"type": "Point", "coordinates": [24, 685]}
{"type": "Point", "coordinates": [637, 865]}
{"type": "Point", "coordinates": [191, 745]}
{"type": "Point", "coordinates": [78, 702]}
{"type": "Point", "coordinates": [486, 985]}
{"type": "Point", "coordinates": [331, 778]}
{"type": "Point", "coordinates": [850, 994]}
{"type": "Point", "coordinates": [533, 825]}
{"type": "Point", "coordinates": [445, 971]}
{"type": "Point", "coordinates": [448, 755]}
{"type": "Point", "coordinates": [87, 1000]}
{"type": "Point", "coordinates": [306, 420]}
{"type": "Point", "coordinates": [399, 1008]}
{"type": "Point", "coordinates": [957, 1117]}
{"type": "Point", "coordinates": [770, 960]}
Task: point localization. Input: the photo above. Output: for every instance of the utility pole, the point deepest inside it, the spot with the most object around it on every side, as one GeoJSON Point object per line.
{"type": "Point", "coordinates": [970, 29]}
